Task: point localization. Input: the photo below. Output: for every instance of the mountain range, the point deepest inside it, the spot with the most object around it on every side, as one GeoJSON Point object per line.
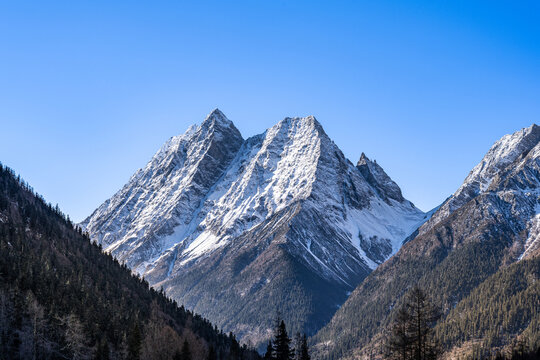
{"type": "Point", "coordinates": [477, 257]}
{"type": "Point", "coordinates": [279, 224]}
{"type": "Point", "coordinates": [237, 229]}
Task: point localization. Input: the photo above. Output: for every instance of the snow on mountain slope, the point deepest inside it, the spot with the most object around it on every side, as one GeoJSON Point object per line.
{"type": "Point", "coordinates": [166, 193]}
{"type": "Point", "coordinates": [376, 176]}
{"type": "Point", "coordinates": [511, 171]}
{"type": "Point", "coordinates": [491, 221]}
{"type": "Point", "coordinates": [504, 152]}
{"type": "Point", "coordinates": [179, 204]}
{"type": "Point", "coordinates": [208, 201]}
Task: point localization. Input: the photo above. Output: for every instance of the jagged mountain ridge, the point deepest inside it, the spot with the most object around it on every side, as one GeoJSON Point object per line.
{"type": "Point", "coordinates": [489, 223]}
{"type": "Point", "coordinates": [503, 153]}
{"type": "Point", "coordinates": [288, 194]}
{"type": "Point", "coordinates": [166, 192]}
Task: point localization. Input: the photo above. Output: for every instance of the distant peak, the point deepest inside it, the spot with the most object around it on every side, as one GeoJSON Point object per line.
{"type": "Point", "coordinates": [533, 128]}
{"type": "Point", "coordinates": [363, 160]}
{"type": "Point", "coordinates": [297, 119]}
{"type": "Point", "coordinates": [217, 112]}
{"type": "Point", "coordinates": [377, 177]}
{"type": "Point", "coordinates": [300, 122]}
{"type": "Point", "coordinates": [217, 126]}
{"type": "Point", "coordinates": [217, 120]}
{"type": "Point", "coordinates": [216, 116]}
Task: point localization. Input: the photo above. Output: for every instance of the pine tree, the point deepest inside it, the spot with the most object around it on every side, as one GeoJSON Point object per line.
{"type": "Point", "coordinates": [235, 352]}
{"type": "Point", "coordinates": [411, 333]}
{"type": "Point", "coordinates": [269, 355]}
{"type": "Point", "coordinates": [282, 342]}
{"type": "Point", "coordinates": [186, 353]}
{"type": "Point", "coordinates": [399, 344]}
{"type": "Point", "coordinates": [134, 342]}
{"type": "Point", "coordinates": [211, 353]}
{"type": "Point", "coordinates": [304, 350]}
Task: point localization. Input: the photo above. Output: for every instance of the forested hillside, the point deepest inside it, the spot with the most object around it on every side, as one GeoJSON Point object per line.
{"type": "Point", "coordinates": [62, 297]}
{"type": "Point", "coordinates": [505, 306]}
{"type": "Point", "coordinates": [476, 259]}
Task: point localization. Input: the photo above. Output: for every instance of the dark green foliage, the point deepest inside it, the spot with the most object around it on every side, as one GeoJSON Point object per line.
{"type": "Point", "coordinates": [279, 348]}
{"type": "Point", "coordinates": [282, 350]}
{"type": "Point", "coordinates": [411, 335]}
{"type": "Point", "coordinates": [186, 353]}
{"type": "Point", "coordinates": [269, 354]}
{"type": "Point", "coordinates": [211, 353]}
{"type": "Point", "coordinates": [506, 303]}
{"type": "Point", "coordinates": [303, 354]}
{"type": "Point", "coordinates": [519, 350]}
{"type": "Point", "coordinates": [523, 352]}
{"type": "Point", "coordinates": [102, 351]}
{"type": "Point", "coordinates": [61, 296]}
{"type": "Point", "coordinates": [134, 342]}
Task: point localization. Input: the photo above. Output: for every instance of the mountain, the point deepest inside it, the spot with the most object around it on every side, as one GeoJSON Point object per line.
{"type": "Point", "coordinates": [237, 229]}
{"type": "Point", "coordinates": [477, 258]}
{"type": "Point", "coordinates": [61, 297]}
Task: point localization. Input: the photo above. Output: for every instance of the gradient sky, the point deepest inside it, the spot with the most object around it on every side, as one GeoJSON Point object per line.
{"type": "Point", "coordinates": [90, 90]}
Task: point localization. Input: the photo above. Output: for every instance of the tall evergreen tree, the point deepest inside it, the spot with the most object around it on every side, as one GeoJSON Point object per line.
{"type": "Point", "coordinates": [399, 343]}
{"type": "Point", "coordinates": [269, 354]}
{"type": "Point", "coordinates": [282, 350]}
{"type": "Point", "coordinates": [134, 342]}
{"type": "Point", "coordinates": [186, 353]}
{"type": "Point", "coordinates": [304, 350]}
{"type": "Point", "coordinates": [411, 335]}
{"type": "Point", "coordinates": [211, 353]}
{"type": "Point", "coordinates": [235, 350]}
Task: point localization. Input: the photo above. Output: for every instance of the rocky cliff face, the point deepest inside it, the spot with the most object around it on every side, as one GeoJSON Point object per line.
{"type": "Point", "coordinates": [238, 229]}
{"type": "Point", "coordinates": [489, 223]}
{"type": "Point", "coordinates": [163, 197]}
{"type": "Point", "coordinates": [499, 157]}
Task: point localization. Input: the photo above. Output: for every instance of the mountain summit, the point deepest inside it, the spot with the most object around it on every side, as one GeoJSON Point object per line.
{"type": "Point", "coordinates": [503, 153]}
{"type": "Point", "coordinates": [237, 229]}
{"type": "Point", "coordinates": [478, 257]}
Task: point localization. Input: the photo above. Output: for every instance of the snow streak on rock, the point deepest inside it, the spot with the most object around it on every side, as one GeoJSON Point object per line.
{"type": "Point", "coordinates": [208, 186]}
{"type": "Point", "coordinates": [234, 226]}
{"type": "Point", "coordinates": [502, 154]}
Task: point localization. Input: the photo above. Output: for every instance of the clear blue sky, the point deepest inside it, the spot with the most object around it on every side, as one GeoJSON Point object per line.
{"type": "Point", "coordinates": [90, 90]}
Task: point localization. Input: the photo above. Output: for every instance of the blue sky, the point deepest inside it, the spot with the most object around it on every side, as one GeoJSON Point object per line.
{"type": "Point", "coordinates": [90, 90]}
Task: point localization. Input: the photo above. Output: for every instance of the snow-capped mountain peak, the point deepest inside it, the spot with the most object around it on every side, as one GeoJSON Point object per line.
{"type": "Point", "coordinates": [166, 192]}
{"type": "Point", "coordinates": [378, 178]}
{"type": "Point", "coordinates": [503, 154]}
{"type": "Point", "coordinates": [210, 202]}
{"type": "Point", "coordinates": [208, 186]}
{"type": "Point", "coordinates": [217, 120]}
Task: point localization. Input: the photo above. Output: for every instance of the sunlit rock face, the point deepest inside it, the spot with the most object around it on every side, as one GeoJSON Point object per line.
{"type": "Point", "coordinates": [237, 229]}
